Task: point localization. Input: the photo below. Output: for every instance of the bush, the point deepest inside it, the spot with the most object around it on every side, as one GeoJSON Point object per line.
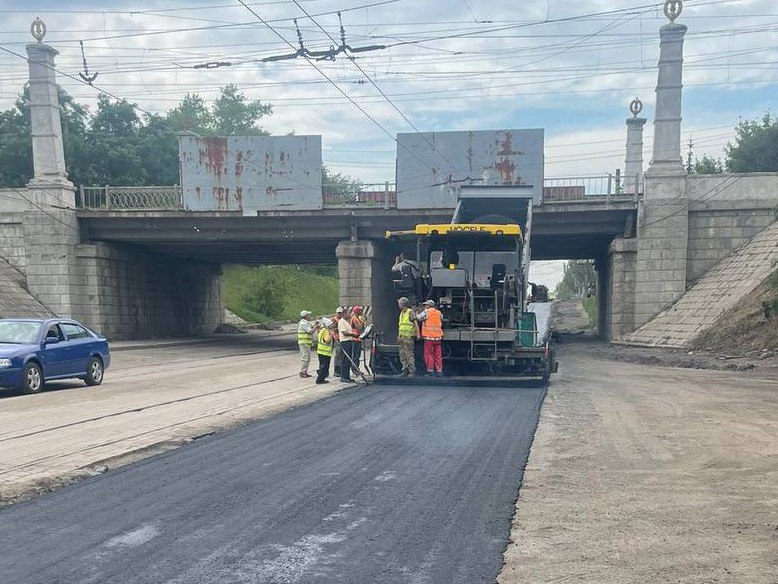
{"type": "Point", "coordinates": [260, 294]}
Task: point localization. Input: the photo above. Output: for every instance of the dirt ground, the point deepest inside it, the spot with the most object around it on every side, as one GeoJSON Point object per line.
{"type": "Point", "coordinates": [649, 474]}
{"type": "Point", "coordinates": [569, 317]}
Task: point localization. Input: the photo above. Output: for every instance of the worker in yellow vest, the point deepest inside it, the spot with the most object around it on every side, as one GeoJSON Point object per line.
{"type": "Point", "coordinates": [305, 331]}
{"type": "Point", "coordinates": [324, 348]}
{"type": "Point", "coordinates": [407, 333]}
{"type": "Point", "coordinates": [432, 333]}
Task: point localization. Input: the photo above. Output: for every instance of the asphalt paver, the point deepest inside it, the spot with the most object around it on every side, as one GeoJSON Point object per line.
{"type": "Point", "coordinates": [379, 484]}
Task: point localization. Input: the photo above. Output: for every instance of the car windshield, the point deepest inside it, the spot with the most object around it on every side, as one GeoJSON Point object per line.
{"type": "Point", "coordinates": [19, 332]}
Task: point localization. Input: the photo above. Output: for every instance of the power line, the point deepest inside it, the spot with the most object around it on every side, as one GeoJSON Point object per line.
{"type": "Point", "coordinates": [74, 78]}
{"type": "Point", "coordinates": [335, 85]}
{"type": "Point", "coordinates": [386, 97]}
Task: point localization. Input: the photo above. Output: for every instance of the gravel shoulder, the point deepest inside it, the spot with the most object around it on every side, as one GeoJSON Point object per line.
{"type": "Point", "coordinates": [649, 474]}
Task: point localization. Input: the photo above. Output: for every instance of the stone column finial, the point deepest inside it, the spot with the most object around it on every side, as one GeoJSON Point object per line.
{"type": "Point", "coordinates": [48, 152]}
{"type": "Point", "coordinates": [633, 163]}
{"type": "Point", "coordinates": [666, 159]}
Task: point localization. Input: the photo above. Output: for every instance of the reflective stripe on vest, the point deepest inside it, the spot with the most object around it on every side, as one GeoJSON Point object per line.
{"type": "Point", "coordinates": [324, 346]}
{"type": "Point", "coordinates": [432, 328]}
{"type": "Point", "coordinates": [405, 328]}
{"type": "Point", "coordinates": [303, 338]}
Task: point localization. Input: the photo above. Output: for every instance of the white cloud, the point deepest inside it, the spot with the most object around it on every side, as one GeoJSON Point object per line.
{"type": "Point", "coordinates": [574, 77]}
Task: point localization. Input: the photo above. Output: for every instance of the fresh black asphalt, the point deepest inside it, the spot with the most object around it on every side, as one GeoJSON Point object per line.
{"type": "Point", "coordinates": [379, 484]}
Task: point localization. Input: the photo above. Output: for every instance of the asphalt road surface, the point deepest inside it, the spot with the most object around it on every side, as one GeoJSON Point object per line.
{"type": "Point", "coordinates": [379, 484]}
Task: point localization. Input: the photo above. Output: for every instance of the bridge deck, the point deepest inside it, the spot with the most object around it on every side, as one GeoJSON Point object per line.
{"type": "Point", "coordinates": [560, 230]}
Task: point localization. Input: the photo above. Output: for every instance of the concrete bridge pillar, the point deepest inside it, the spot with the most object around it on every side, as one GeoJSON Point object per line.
{"type": "Point", "coordinates": [364, 272]}
{"type": "Point", "coordinates": [619, 288]}
{"type": "Point", "coordinates": [663, 224]}
{"type": "Point", "coordinates": [51, 230]}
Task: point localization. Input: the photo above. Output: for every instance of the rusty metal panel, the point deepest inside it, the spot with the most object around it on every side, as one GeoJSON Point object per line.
{"type": "Point", "coordinates": [250, 173]}
{"type": "Point", "coordinates": [431, 166]}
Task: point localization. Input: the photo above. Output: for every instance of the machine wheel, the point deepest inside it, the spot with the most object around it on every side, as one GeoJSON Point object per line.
{"type": "Point", "coordinates": [32, 380]}
{"type": "Point", "coordinates": [94, 372]}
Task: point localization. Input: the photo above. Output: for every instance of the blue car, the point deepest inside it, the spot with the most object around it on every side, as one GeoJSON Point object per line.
{"type": "Point", "coordinates": [33, 352]}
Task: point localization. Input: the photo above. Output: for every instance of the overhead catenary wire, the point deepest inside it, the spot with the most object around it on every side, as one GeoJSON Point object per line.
{"type": "Point", "coordinates": [381, 91]}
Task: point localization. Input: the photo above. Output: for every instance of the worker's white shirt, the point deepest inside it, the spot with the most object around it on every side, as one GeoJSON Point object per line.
{"type": "Point", "coordinates": [344, 329]}
{"type": "Point", "coordinates": [421, 316]}
{"type": "Point", "coordinates": [305, 326]}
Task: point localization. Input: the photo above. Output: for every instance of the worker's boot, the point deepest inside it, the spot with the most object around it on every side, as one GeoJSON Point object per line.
{"type": "Point", "coordinates": [438, 374]}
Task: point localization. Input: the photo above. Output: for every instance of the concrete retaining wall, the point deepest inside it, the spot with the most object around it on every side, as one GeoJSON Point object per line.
{"type": "Point", "coordinates": [129, 294]}
{"type": "Point", "coordinates": [12, 247]}
{"type": "Point", "coordinates": [619, 298]}
{"type": "Point", "coordinates": [725, 211]}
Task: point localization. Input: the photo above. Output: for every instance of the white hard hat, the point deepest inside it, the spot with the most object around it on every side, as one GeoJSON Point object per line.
{"type": "Point", "coordinates": [340, 309]}
{"type": "Point", "coordinates": [326, 322]}
{"type": "Point", "coordinates": [305, 313]}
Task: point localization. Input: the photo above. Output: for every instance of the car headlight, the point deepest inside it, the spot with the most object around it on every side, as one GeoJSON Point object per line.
{"type": "Point", "coordinates": [5, 363]}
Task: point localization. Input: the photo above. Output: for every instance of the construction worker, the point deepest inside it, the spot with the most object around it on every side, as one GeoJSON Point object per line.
{"type": "Point", "coordinates": [324, 349]}
{"type": "Point", "coordinates": [346, 340]}
{"type": "Point", "coordinates": [357, 327]}
{"type": "Point", "coordinates": [432, 333]}
{"type": "Point", "coordinates": [407, 333]}
{"type": "Point", "coordinates": [305, 332]}
{"type": "Point", "coordinates": [337, 353]}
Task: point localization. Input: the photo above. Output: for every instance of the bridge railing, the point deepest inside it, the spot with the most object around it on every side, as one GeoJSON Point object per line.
{"type": "Point", "coordinates": [370, 195]}
{"type": "Point", "coordinates": [604, 187]}
{"type": "Point", "coordinates": [577, 189]}
{"type": "Point", "coordinates": [110, 198]}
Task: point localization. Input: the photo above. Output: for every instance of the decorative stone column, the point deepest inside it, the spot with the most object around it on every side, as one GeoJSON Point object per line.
{"type": "Point", "coordinates": [51, 231]}
{"type": "Point", "coordinates": [50, 184]}
{"type": "Point", "coordinates": [669, 89]}
{"type": "Point", "coordinates": [663, 214]}
{"type": "Point", "coordinates": [633, 164]}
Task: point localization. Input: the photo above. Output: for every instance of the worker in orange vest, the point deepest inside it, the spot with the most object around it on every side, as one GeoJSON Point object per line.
{"type": "Point", "coordinates": [432, 333]}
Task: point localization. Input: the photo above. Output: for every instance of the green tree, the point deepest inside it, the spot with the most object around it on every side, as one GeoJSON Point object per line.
{"type": "Point", "coordinates": [756, 146]}
{"type": "Point", "coordinates": [191, 115]}
{"type": "Point", "coordinates": [16, 143]}
{"type": "Point", "coordinates": [708, 165]}
{"type": "Point", "coordinates": [114, 155]}
{"type": "Point", "coordinates": [338, 187]}
{"type": "Point", "coordinates": [115, 145]}
{"type": "Point", "coordinates": [234, 115]}
{"type": "Point", "coordinates": [578, 280]}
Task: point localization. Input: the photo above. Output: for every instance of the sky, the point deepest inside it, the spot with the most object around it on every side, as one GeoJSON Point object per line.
{"type": "Point", "coordinates": [571, 68]}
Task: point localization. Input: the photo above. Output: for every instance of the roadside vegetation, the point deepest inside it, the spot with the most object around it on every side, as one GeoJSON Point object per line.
{"type": "Point", "coordinates": [579, 281]}
{"type": "Point", "coordinates": [755, 149]}
{"type": "Point", "coordinates": [279, 293]}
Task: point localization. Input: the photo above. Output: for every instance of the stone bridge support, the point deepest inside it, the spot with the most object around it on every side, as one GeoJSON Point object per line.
{"type": "Point", "coordinates": [129, 294]}
{"type": "Point", "coordinates": [364, 272]}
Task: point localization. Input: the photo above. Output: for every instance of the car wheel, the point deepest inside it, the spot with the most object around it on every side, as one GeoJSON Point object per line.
{"type": "Point", "coordinates": [94, 371]}
{"type": "Point", "coordinates": [32, 381]}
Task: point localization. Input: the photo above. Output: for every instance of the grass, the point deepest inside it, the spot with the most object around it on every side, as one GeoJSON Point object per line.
{"type": "Point", "coordinates": [590, 306]}
{"type": "Point", "coordinates": [279, 293]}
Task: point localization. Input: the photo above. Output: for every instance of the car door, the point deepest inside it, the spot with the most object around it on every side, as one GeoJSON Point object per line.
{"type": "Point", "coordinates": [54, 353]}
{"type": "Point", "coordinates": [78, 342]}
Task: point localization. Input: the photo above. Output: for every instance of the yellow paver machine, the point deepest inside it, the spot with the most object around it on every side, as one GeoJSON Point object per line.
{"type": "Point", "coordinates": [476, 270]}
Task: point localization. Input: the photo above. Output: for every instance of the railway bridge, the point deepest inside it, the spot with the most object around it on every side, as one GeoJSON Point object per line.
{"type": "Point", "coordinates": [145, 261]}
